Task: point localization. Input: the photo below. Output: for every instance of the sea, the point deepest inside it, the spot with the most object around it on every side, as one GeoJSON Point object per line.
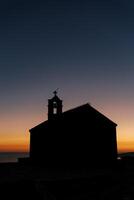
{"type": "Point", "coordinates": [7, 157]}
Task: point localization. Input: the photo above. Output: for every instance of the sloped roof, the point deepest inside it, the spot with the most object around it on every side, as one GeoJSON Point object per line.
{"type": "Point", "coordinates": [88, 107]}
{"type": "Point", "coordinates": [83, 108]}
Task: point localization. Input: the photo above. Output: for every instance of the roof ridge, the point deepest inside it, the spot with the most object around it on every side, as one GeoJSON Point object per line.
{"type": "Point", "coordinates": [87, 104]}
{"type": "Point", "coordinates": [71, 109]}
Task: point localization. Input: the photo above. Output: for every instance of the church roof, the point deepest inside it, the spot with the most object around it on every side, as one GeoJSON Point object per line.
{"type": "Point", "coordinates": [86, 108]}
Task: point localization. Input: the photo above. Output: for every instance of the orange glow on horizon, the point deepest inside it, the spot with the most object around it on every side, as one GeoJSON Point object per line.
{"type": "Point", "coordinates": [125, 146]}
{"type": "Point", "coordinates": [18, 145]}
{"type": "Point", "coordinates": [22, 145]}
{"type": "Point", "coordinates": [14, 148]}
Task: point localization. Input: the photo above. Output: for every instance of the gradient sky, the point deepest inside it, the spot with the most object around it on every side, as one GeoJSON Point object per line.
{"type": "Point", "coordinates": [83, 47]}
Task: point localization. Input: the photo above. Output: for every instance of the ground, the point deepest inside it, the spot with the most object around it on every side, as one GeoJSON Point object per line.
{"type": "Point", "coordinates": [19, 181]}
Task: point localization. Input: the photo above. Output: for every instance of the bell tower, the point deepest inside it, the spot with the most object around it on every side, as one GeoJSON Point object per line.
{"type": "Point", "coordinates": [54, 106]}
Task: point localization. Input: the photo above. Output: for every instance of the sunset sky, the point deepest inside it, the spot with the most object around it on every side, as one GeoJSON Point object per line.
{"type": "Point", "coordinates": [83, 47]}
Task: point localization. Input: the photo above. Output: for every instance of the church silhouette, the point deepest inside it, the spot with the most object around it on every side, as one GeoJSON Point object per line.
{"type": "Point", "coordinates": [77, 138]}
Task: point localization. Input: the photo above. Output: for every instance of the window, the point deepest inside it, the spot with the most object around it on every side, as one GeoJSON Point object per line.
{"type": "Point", "coordinates": [54, 104]}
{"type": "Point", "coordinates": [55, 111]}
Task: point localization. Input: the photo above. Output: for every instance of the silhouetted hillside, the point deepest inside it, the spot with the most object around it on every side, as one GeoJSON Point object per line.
{"type": "Point", "coordinates": [130, 154]}
{"type": "Point", "coordinates": [9, 157]}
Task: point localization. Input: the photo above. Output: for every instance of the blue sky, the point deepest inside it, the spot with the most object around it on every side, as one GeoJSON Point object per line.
{"type": "Point", "coordinates": [85, 48]}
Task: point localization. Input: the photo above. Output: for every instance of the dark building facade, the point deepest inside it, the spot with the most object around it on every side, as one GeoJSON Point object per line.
{"type": "Point", "coordinates": [79, 137]}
